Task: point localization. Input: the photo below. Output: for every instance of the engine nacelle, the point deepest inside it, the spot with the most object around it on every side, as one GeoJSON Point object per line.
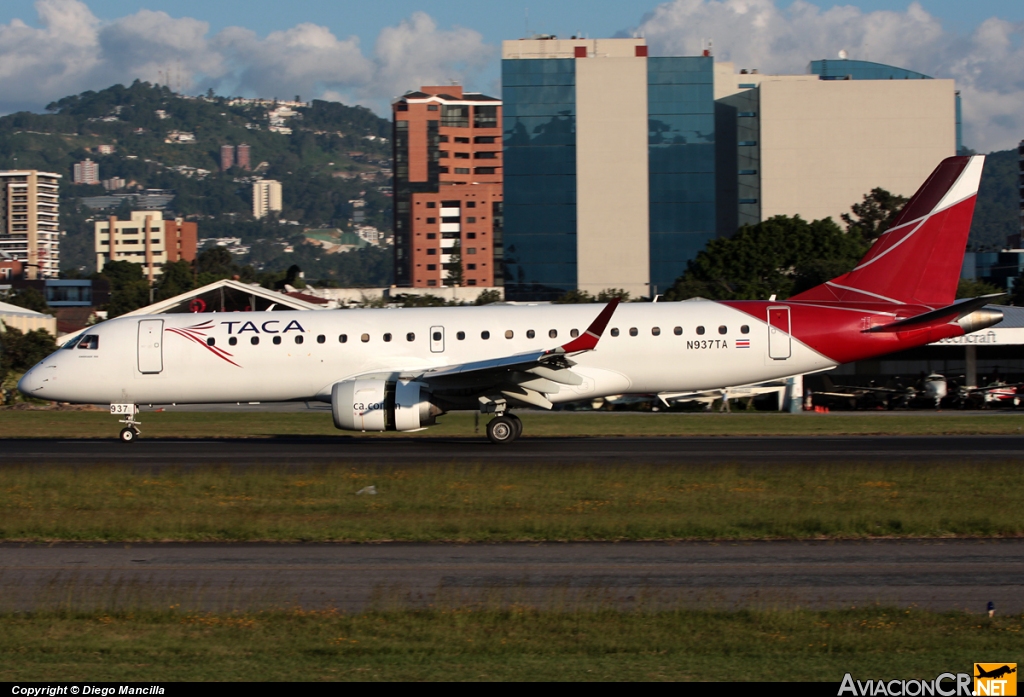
{"type": "Point", "coordinates": [372, 404]}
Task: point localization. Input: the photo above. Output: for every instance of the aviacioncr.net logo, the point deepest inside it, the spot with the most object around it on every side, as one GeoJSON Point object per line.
{"type": "Point", "coordinates": [945, 685]}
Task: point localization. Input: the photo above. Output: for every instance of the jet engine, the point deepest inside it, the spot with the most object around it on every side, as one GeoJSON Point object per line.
{"type": "Point", "coordinates": [374, 404]}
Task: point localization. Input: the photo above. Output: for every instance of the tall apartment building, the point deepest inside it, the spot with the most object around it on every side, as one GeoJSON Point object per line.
{"type": "Point", "coordinates": [227, 157]}
{"type": "Point", "coordinates": [610, 165]}
{"type": "Point", "coordinates": [29, 221]}
{"type": "Point", "coordinates": [242, 157]}
{"type": "Point", "coordinates": [814, 144]}
{"type": "Point", "coordinates": [86, 172]}
{"type": "Point", "coordinates": [447, 188]}
{"type": "Point", "coordinates": [266, 197]}
{"type": "Point", "coordinates": [145, 239]}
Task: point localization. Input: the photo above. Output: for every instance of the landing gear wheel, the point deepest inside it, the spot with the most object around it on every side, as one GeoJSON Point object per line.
{"type": "Point", "coordinates": [501, 430]}
{"type": "Point", "coordinates": [129, 435]}
{"type": "Point", "coordinates": [517, 423]}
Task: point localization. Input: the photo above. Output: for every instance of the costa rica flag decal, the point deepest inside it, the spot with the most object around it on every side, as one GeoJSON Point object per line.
{"type": "Point", "coordinates": [742, 343]}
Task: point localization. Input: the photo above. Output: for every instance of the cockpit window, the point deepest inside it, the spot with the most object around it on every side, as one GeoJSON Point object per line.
{"type": "Point", "coordinates": [90, 342]}
{"type": "Point", "coordinates": [74, 342]}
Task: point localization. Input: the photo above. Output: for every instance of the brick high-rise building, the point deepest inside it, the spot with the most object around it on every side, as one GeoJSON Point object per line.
{"type": "Point", "coordinates": [227, 157]}
{"type": "Point", "coordinates": [147, 239]}
{"type": "Point", "coordinates": [242, 157]}
{"type": "Point", "coordinates": [29, 222]}
{"type": "Point", "coordinates": [448, 188]}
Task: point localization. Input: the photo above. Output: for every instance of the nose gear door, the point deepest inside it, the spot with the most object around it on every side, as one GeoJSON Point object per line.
{"type": "Point", "coordinates": [151, 349]}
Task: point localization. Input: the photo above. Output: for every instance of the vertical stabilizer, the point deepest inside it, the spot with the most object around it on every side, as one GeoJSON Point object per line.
{"type": "Point", "coordinates": [918, 259]}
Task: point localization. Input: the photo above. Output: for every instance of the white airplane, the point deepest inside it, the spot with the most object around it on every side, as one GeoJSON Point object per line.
{"type": "Point", "coordinates": [399, 369]}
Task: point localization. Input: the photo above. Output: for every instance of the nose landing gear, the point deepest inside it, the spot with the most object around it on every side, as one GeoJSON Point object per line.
{"type": "Point", "coordinates": [130, 433]}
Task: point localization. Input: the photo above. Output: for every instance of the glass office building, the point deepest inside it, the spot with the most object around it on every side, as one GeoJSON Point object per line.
{"type": "Point", "coordinates": [615, 152]}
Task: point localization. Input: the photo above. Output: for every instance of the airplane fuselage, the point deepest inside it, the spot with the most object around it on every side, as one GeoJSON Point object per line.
{"type": "Point", "coordinates": [283, 356]}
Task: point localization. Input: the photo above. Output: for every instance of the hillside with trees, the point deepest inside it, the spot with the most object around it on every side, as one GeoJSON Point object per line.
{"type": "Point", "coordinates": [334, 154]}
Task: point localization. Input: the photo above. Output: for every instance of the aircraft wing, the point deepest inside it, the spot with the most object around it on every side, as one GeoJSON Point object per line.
{"type": "Point", "coordinates": [523, 377]}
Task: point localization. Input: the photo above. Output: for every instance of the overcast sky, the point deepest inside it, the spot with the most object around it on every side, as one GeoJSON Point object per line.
{"type": "Point", "coordinates": [369, 52]}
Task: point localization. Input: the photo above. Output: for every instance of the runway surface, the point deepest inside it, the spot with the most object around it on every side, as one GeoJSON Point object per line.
{"type": "Point", "coordinates": [938, 575]}
{"type": "Point", "coordinates": [296, 451]}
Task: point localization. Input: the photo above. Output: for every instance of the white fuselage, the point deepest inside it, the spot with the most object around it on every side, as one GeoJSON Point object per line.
{"type": "Point", "coordinates": [163, 359]}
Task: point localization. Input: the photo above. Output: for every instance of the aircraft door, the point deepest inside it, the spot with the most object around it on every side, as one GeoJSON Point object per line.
{"type": "Point", "coordinates": [779, 340]}
{"type": "Point", "coordinates": [151, 349]}
{"type": "Point", "coordinates": [437, 339]}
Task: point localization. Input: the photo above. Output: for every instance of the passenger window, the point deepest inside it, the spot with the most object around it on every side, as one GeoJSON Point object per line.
{"type": "Point", "coordinates": [387, 337]}
{"type": "Point", "coordinates": [615, 331]}
{"type": "Point", "coordinates": [574, 333]}
{"type": "Point", "coordinates": [299, 339]}
{"type": "Point", "coordinates": [343, 338]}
{"type": "Point", "coordinates": [364, 338]}
{"type": "Point", "coordinates": [436, 336]}
{"type": "Point", "coordinates": [211, 341]}
{"type": "Point", "coordinates": [255, 341]}
{"type": "Point", "coordinates": [744, 329]}
{"type": "Point", "coordinates": [723, 329]}
{"type": "Point", "coordinates": [232, 341]}
{"type": "Point", "coordinates": [277, 340]}
{"type": "Point", "coordinates": [700, 331]}
{"type": "Point", "coordinates": [410, 337]}
{"type": "Point", "coordinates": [509, 334]}
{"type": "Point", "coordinates": [485, 335]}
{"type": "Point", "coordinates": [656, 331]}
{"type": "Point", "coordinates": [321, 339]}
{"type": "Point", "coordinates": [90, 342]}
{"type": "Point", "coordinates": [553, 333]}
{"type": "Point", "coordinates": [530, 333]}
{"type": "Point", "coordinates": [633, 331]}
{"type": "Point", "coordinates": [460, 335]}
{"type": "Point", "coordinates": [678, 331]}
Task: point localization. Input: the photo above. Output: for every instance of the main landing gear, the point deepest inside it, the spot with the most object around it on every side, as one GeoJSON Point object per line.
{"type": "Point", "coordinates": [504, 429]}
{"type": "Point", "coordinates": [130, 432]}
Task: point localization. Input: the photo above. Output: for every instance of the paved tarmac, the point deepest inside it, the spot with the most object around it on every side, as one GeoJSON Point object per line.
{"type": "Point", "coordinates": [296, 451]}
{"type": "Point", "coordinates": [938, 575]}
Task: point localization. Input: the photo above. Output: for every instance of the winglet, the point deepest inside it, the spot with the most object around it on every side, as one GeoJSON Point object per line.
{"type": "Point", "coordinates": [587, 341]}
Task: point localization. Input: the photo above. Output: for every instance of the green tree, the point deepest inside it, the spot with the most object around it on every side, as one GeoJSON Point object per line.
{"type": "Point", "coordinates": [969, 288]}
{"type": "Point", "coordinates": [121, 273]}
{"type": "Point", "coordinates": [217, 263]}
{"type": "Point", "coordinates": [175, 280]}
{"type": "Point", "coordinates": [780, 256]}
{"type": "Point", "coordinates": [454, 266]}
{"type": "Point", "coordinates": [130, 297]}
{"type": "Point", "coordinates": [608, 294]}
{"type": "Point", "coordinates": [574, 297]}
{"type": "Point", "coordinates": [487, 297]}
{"type": "Point", "coordinates": [873, 216]}
{"type": "Point", "coordinates": [28, 298]}
{"type": "Point", "coordinates": [19, 350]}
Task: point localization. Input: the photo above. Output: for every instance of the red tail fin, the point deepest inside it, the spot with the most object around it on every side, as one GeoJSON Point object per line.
{"type": "Point", "coordinates": [916, 261]}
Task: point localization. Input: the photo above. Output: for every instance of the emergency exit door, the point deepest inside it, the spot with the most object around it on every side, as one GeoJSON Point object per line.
{"type": "Point", "coordinates": [779, 340]}
{"type": "Point", "coordinates": [437, 339]}
{"type": "Point", "coordinates": [151, 348]}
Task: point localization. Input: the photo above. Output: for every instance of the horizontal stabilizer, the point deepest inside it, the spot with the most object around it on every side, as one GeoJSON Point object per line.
{"type": "Point", "coordinates": [949, 313]}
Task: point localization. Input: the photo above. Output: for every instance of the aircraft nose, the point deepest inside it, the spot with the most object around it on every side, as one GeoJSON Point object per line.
{"type": "Point", "coordinates": [33, 382]}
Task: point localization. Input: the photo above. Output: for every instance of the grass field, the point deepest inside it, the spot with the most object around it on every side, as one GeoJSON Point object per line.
{"type": "Point", "coordinates": [487, 503]}
{"type": "Point", "coordinates": [92, 424]}
{"type": "Point", "coordinates": [513, 644]}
